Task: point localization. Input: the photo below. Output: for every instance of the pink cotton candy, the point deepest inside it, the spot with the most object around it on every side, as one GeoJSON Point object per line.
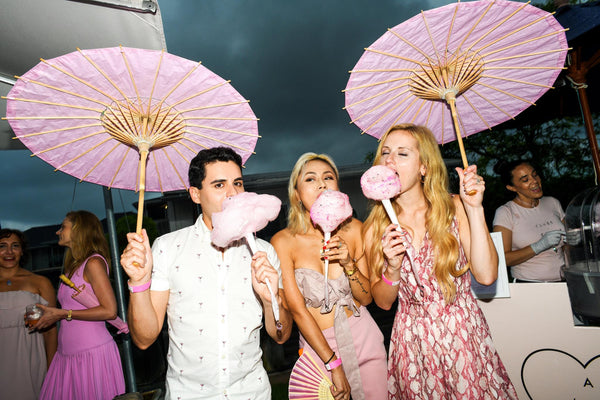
{"type": "Point", "coordinates": [244, 213]}
{"type": "Point", "coordinates": [330, 209]}
{"type": "Point", "coordinates": [380, 182]}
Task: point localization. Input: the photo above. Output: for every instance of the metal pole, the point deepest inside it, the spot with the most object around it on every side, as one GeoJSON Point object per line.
{"type": "Point", "coordinates": [121, 308]}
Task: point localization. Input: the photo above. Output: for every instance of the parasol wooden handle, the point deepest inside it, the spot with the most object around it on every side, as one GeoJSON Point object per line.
{"type": "Point", "coordinates": [451, 100]}
{"type": "Point", "coordinates": [69, 283]}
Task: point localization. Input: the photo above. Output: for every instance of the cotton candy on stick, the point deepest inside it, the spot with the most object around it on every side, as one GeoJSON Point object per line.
{"type": "Point", "coordinates": [382, 183]}
{"type": "Point", "coordinates": [242, 215]}
{"type": "Point", "coordinates": [328, 211]}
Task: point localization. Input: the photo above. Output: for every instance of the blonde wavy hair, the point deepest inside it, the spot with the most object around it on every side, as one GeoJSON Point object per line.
{"type": "Point", "coordinates": [438, 218]}
{"type": "Point", "coordinates": [298, 220]}
{"type": "Point", "coordinates": [87, 238]}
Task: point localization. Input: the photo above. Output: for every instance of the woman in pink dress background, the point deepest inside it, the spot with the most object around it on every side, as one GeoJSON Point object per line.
{"type": "Point", "coordinates": [25, 355]}
{"type": "Point", "coordinates": [440, 346]}
{"type": "Point", "coordinates": [87, 364]}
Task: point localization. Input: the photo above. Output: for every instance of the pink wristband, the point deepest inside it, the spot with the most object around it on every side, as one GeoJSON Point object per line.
{"type": "Point", "coordinates": [391, 283]}
{"type": "Point", "coordinates": [333, 364]}
{"type": "Point", "coordinates": [140, 288]}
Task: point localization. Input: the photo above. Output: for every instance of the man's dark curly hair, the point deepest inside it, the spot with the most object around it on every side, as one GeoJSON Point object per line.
{"type": "Point", "coordinates": [197, 171]}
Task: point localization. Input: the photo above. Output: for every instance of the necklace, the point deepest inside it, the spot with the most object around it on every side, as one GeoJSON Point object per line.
{"type": "Point", "coordinates": [525, 204]}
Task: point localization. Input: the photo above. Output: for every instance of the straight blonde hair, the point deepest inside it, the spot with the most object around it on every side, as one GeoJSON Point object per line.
{"type": "Point", "coordinates": [298, 221]}
{"type": "Point", "coordinates": [438, 218]}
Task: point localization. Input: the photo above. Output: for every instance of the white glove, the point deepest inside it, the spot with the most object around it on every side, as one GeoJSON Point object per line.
{"type": "Point", "coordinates": [574, 237]}
{"type": "Point", "coordinates": [549, 239]}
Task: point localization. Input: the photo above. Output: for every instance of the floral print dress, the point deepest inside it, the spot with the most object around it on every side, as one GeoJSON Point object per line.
{"type": "Point", "coordinates": [440, 351]}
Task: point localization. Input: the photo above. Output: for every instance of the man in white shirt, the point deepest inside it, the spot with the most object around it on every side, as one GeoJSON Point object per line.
{"type": "Point", "coordinates": [214, 298]}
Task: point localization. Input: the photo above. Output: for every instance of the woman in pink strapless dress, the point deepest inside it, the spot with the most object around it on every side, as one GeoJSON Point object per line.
{"type": "Point", "coordinates": [441, 347]}
{"type": "Point", "coordinates": [87, 364]}
{"type": "Point", "coordinates": [341, 329]}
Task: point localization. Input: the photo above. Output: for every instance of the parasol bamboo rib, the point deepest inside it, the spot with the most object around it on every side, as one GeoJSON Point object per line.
{"type": "Point", "coordinates": [66, 143]}
{"type": "Point", "coordinates": [190, 118]}
{"type": "Point", "coordinates": [520, 56]}
{"type": "Point", "coordinates": [212, 128]}
{"type": "Point", "coordinates": [381, 70]}
{"type": "Point", "coordinates": [385, 114]}
{"type": "Point", "coordinates": [468, 34]}
{"type": "Point", "coordinates": [501, 78]}
{"type": "Point", "coordinates": [435, 49]}
{"type": "Point", "coordinates": [101, 71]}
{"type": "Point", "coordinates": [214, 106]}
{"type": "Point", "coordinates": [187, 160]}
{"type": "Point", "coordinates": [506, 93]}
{"type": "Point", "coordinates": [408, 42]}
{"type": "Point", "coordinates": [521, 43]}
{"type": "Point", "coordinates": [137, 93]}
{"type": "Point", "coordinates": [80, 80]}
{"type": "Point", "coordinates": [476, 111]}
{"type": "Point", "coordinates": [213, 139]}
{"type": "Point", "coordinates": [55, 104]}
{"type": "Point", "coordinates": [499, 24]}
{"type": "Point", "coordinates": [57, 130]}
{"type": "Point", "coordinates": [98, 162]}
{"type": "Point", "coordinates": [383, 53]}
{"type": "Point", "coordinates": [450, 29]}
{"type": "Point", "coordinates": [119, 168]}
{"type": "Point", "coordinates": [51, 117]}
{"type": "Point", "coordinates": [174, 168]}
{"type": "Point", "coordinates": [82, 154]}
{"type": "Point", "coordinates": [368, 85]}
{"type": "Point", "coordinates": [418, 111]}
{"type": "Point", "coordinates": [405, 111]}
{"type": "Point", "coordinates": [218, 85]}
{"type": "Point", "coordinates": [372, 110]}
{"type": "Point", "coordinates": [491, 103]}
{"type": "Point", "coordinates": [64, 91]}
{"type": "Point", "coordinates": [376, 95]}
{"type": "Point", "coordinates": [518, 30]}
{"type": "Point", "coordinates": [157, 171]}
{"type": "Point", "coordinates": [487, 68]}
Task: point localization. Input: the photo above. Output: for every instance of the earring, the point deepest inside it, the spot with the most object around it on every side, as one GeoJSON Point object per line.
{"type": "Point", "coordinates": [422, 178]}
{"type": "Point", "coordinates": [300, 202]}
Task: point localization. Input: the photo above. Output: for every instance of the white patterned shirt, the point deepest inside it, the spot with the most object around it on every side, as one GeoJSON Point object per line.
{"type": "Point", "coordinates": [214, 316]}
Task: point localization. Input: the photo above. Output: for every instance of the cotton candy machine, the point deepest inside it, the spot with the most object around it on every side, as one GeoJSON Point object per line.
{"type": "Point", "coordinates": [582, 255]}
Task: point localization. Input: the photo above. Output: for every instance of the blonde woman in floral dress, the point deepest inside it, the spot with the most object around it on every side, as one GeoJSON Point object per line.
{"type": "Point", "coordinates": [441, 347]}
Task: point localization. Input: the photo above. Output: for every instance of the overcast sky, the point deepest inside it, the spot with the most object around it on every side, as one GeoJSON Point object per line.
{"type": "Point", "coordinates": [289, 58]}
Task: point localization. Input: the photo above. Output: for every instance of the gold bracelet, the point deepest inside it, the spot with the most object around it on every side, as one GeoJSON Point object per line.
{"type": "Point", "coordinates": [349, 274]}
{"type": "Point", "coordinates": [69, 315]}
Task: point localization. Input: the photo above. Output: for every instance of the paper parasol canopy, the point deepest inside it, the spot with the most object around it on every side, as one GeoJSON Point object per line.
{"type": "Point", "coordinates": [128, 118]}
{"type": "Point", "coordinates": [83, 296]}
{"type": "Point", "coordinates": [308, 381]}
{"type": "Point", "coordinates": [243, 215]}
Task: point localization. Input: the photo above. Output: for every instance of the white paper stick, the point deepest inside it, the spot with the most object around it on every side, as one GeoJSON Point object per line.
{"type": "Point", "coordinates": [327, 237]}
{"type": "Point", "coordinates": [252, 244]}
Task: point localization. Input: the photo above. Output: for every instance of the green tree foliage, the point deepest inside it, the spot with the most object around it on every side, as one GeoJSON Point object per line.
{"type": "Point", "coordinates": [127, 223]}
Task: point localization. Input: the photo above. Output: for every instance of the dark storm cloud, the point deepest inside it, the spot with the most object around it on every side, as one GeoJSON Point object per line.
{"type": "Point", "coordinates": [291, 60]}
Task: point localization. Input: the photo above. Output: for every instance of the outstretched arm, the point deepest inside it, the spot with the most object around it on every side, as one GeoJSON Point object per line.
{"type": "Point", "coordinates": [147, 308]}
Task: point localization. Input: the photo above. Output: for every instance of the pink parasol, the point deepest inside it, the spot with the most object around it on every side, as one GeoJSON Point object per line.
{"type": "Point", "coordinates": [83, 296]}
{"type": "Point", "coordinates": [381, 183]}
{"type": "Point", "coordinates": [242, 216]}
{"type": "Point", "coordinates": [328, 211]}
{"type": "Point", "coordinates": [472, 65]}
{"type": "Point", "coordinates": [107, 116]}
